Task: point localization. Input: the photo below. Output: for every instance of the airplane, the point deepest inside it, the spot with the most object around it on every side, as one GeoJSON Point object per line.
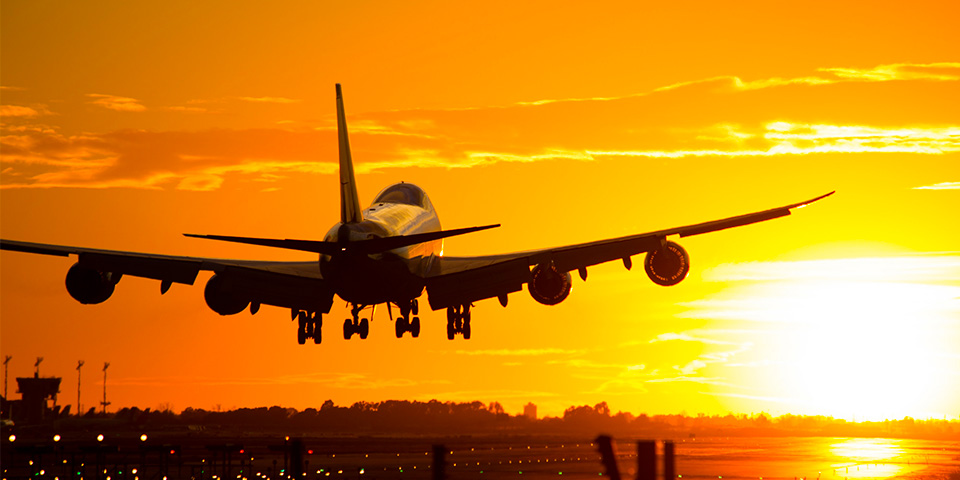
{"type": "Point", "coordinates": [388, 253]}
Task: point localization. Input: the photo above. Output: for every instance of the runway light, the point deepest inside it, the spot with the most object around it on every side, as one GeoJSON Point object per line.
{"type": "Point", "coordinates": [143, 438]}
{"type": "Point", "coordinates": [12, 438]}
{"type": "Point", "coordinates": [100, 437]}
{"type": "Point", "coordinates": [56, 438]}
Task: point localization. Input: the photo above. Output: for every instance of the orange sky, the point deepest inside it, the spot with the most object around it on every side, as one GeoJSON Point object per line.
{"type": "Point", "coordinates": [127, 124]}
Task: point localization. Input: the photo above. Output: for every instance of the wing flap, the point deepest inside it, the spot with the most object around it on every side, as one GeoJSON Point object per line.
{"type": "Point", "coordinates": [270, 287]}
{"type": "Point", "coordinates": [494, 280]}
{"type": "Point", "coordinates": [164, 269]}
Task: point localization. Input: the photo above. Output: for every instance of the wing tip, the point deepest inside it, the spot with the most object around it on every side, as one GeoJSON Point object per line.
{"type": "Point", "coordinates": [808, 202]}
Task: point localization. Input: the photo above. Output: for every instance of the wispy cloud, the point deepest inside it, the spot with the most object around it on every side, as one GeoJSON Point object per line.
{"type": "Point", "coordinates": [685, 337]}
{"type": "Point", "coordinates": [186, 109]}
{"type": "Point", "coordinates": [738, 122]}
{"type": "Point", "coordinates": [18, 111]}
{"type": "Point", "coordinates": [113, 102]}
{"type": "Point", "coordinates": [832, 292]}
{"type": "Point", "coordinates": [943, 72]}
{"type": "Point", "coordinates": [523, 352]}
{"type": "Point", "coordinates": [932, 267]}
{"type": "Point", "coordinates": [281, 100]}
{"type": "Point", "coordinates": [940, 186]}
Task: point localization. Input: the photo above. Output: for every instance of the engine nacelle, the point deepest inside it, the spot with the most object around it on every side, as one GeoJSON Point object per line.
{"type": "Point", "coordinates": [89, 286]}
{"type": "Point", "coordinates": [220, 299]}
{"type": "Point", "coordinates": [667, 266]}
{"type": "Point", "coordinates": [548, 286]}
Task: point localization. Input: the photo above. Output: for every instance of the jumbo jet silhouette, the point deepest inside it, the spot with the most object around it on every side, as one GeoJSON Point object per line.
{"type": "Point", "coordinates": [389, 253]}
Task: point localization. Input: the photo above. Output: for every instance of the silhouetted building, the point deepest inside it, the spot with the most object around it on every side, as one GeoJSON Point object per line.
{"type": "Point", "coordinates": [530, 411]}
{"type": "Point", "coordinates": [35, 395]}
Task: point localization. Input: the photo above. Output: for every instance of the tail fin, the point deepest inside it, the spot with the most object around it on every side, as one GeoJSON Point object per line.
{"type": "Point", "coordinates": [349, 199]}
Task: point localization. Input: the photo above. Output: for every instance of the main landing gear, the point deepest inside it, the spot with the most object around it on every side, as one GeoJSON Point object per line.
{"type": "Point", "coordinates": [308, 326]}
{"type": "Point", "coordinates": [458, 321]}
{"type": "Point", "coordinates": [405, 323]}
{"type": "Point", "coordinates": [356, 325]}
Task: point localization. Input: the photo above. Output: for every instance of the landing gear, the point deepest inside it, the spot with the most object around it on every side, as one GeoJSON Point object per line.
{"type": "Point", "coordinates": [356, 325]}
{"type": "Point", "coordinates": [458, 321]}
{"type": "Point", "coordinates": [308, 326]}
{"type": "Point", "coordinates": [405, 323]}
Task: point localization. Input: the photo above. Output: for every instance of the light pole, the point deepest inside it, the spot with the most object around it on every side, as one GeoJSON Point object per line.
{"type": "Point", "coordinates": [36, 372]}
{"type": "Point", "coordinates": [5, 362]}
{"type": "Point", "coordinates": [79, 409]}
{"type": "Point", "coordinates": [105, 402]}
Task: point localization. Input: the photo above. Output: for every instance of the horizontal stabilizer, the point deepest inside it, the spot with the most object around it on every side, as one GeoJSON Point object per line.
{"type": "Point", "coordinates": [328, 248]}
{"type": "Point", "coordinates": [373, 245]}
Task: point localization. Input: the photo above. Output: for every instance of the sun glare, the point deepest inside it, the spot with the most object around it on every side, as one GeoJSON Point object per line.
{"type": "Point", "coordinates": [855, 339]}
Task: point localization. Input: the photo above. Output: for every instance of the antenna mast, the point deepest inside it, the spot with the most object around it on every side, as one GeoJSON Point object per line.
{"type": "Point", "coordinates": [36, 372]}
{"type": "Point", "coordinates": [5, 362]}
{"type": "Point", "coordinates": [105, 402]}
{"type": "Point", "coordinates": [79, 409]}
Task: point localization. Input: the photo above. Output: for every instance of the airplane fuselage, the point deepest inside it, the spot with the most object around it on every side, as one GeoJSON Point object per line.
{"type": "Point", "coordinates": [392, 276]}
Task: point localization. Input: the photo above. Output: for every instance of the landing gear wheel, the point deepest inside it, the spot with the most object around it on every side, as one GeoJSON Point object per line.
{"type": "Point", "coordinates": [347, 329]}
{"type": "Point", "coordinates": [364, 328]}
{"type": "Point", "coordinates": [316, 327]}
{"type": "Point", "coordinates": [401, 327]}
{"type": "Point", "coordinates": [451, 331]}
{"type": "Point", "coordinates": [415, 327]}
{"type": "Point", "coordinates": [302, 328]}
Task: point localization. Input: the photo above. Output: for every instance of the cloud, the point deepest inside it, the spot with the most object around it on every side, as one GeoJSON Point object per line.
{"type": "Point", "coordinates": [17, 111]}
{"type": "Point", "coordinates": [833, 293]}
{"type": "Point", "coordinates": [713, 118]}
{"type": "Point", "coordinates": [523, 352]}
{"type": "Point", "coordinates": [940, 186]}
{"type": "Point", "coordinates": [185, 109]}
{"type": "Point", "coordinates": [685, 337]}
{"type": "Point", "coordinates": [943, 72]}
{"type": "Point", "coordinates": [113, 102]}
{"type": "Point", "coordinates": [281, 100]}
{"type": "Point", "coordinates": [932, 267]}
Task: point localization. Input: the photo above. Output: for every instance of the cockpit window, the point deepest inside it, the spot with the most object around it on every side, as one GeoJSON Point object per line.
{"type": "Point", "coordinates": [401, 193]}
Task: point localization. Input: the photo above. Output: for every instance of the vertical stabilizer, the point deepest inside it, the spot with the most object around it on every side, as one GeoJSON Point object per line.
{"type": "Point", "coordinates": [349, 199]}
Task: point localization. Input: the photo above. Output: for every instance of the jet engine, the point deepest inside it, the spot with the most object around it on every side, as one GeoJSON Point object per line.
{"type": "Point", "coordinates": [220, 299]}
{"type": "Point", "coordinates": [548, 286]}
{"type": "Point", "coordinates": [667, 266]}
{"type": "Point", "coordinates": [89, 286]}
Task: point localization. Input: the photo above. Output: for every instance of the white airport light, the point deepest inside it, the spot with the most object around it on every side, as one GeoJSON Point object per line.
{"type": "Point", "coordinates": [143, 438]}
{"type": "Point", "coordinates": [56, 438]}
{"type": "Point", "coordinates": [12, 438]}
{"type": "Point", "coordinates": [100, 439]}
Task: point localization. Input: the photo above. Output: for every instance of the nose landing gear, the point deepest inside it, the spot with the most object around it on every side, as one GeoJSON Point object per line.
{"type": "Point", "coordinates": [458, 321]}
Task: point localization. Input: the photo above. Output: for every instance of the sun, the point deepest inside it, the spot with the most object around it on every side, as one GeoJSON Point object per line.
{"type": "Point", "coordinates": [863, 338]}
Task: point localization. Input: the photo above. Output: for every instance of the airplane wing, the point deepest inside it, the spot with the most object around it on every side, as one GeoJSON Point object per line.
{"type": "Point", "coordinates": [295, 285]}
{"type": "Point", "coordinates": [455, 281]}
